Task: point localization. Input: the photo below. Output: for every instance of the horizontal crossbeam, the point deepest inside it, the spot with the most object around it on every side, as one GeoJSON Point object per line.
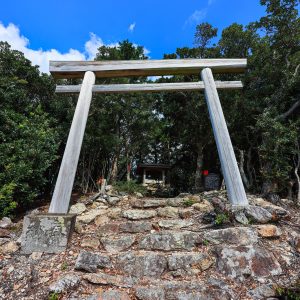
{"type": "Point", "coordinates": [124, 68]}
{"type": "Point", "coordinates": [149, 87]}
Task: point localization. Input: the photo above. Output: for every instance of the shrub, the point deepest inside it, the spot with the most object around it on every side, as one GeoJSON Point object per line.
{"type": "Point", "coordinates": [130, 187]}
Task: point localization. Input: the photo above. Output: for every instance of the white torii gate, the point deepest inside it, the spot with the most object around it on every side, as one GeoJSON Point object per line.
{"type": "Point", "coordinates": [89, 70]}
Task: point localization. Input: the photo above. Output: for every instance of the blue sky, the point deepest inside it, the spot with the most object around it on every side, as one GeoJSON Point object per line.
{"type": "Point", "coordinates": [73, 29]}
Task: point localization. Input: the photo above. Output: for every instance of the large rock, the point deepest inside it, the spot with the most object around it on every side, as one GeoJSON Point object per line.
{"type": "Point", "coordinates": [90, 216]}
{"type": "Point", "coordinates": [49, 233]}
{"type": "Point", "coordinates": [189, 263]}
{"type": "Point", "coordinates": [169, 241]}
{"type": "Point", "coordinates": [4, 233]}
{"type": "Point", "coordinates": [9, 247]}
{"type": "Point", "coordinates": [114, 213]}
{"type": "Point", "coordinates": [175, 223]}
{"type": "Point", "coordinates": [106, 279]}
{"type": "Point", "coordinates": [112, 295]}
{"type": "Point", "coordinates": [204, 206]}
{"type": "Point", "coordinates": [277, 212]}
{"type": "Point", "coordinates": [135, 227]}
{"type": "Point", "coordinates": [101, 220]}
{"type": "Point", "coordinates": [5, 222]}
{"type": "Point", "coordinates": [64, 283]}
{"type": "Point", "coordinates": [175, 202]}
{"type": "Point", "coordinates": [149, 203]}
{"type": "Point", "coordinates": [268, 231]}
{"type": "Point", "coordinates": [236, 235]}
{"type": "Point", "coordinates": [117, 243]}
{"type": "Point", "coordinates": [240, 261]}
{"type": "Point", "coordinates": [138, 214]}
{"type": "Point", "coordinates": [258, 214]}
{"type": "Point", "coordinates": [90, 242]}
{"type": "Point", "coordinates": [139, 265]}
{"type": "Point", "coordinates": [77, 208]}
{"type": "Point", "coordinates": [113, 200]}
{"type": "Point", "coordinates": [89, 261]}
{"type": "Point", "coordinates": [263, 291]}
{"type": "Point", "coordinates": [168, 212]}
{"type": "Point", "coordinates": [149, 293]}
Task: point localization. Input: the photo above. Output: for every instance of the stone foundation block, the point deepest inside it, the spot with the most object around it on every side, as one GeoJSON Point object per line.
{"type": "Point", "coordinates": [49, 233]}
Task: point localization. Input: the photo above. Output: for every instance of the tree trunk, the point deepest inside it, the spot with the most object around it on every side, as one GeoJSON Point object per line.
{"type": "Point", "coordinates": [114, 169]}
{"type": "Point", "coordinates": [297, 166]}
{"type": "Point", "coordinates": [242, 171]}
{"type": "Point", "coordinates": [199, 168]}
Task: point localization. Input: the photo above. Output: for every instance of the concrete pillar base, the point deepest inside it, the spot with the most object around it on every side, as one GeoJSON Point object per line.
{"type": "Point", "coordinates": [49, 233]}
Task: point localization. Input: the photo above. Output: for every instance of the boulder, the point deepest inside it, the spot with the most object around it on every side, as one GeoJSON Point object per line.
{"type": "Point", "coordinates": [240, 261]}
{"type": "Point", "coordinates": [77, 208]}
{"type": "Point", "coordinates": [268, 231]}
{"type": "Point", "coordinates": [204, 206]}
{"type": "Point", "coordinates": [90, 242]}
{"type": "Point", "coordinates": [4, 233]}
{"type": "Point", "coordinates": [90, 216]}
{"type": "Point", "coordinates": [112, 295]}
{"type": "Point", "coordinates": [277, 212]}
{"type": "Point", "coordinates": [236, 235]}
{"type": "Point", "coordinates": [89, 261]}
{"type": "Point", "coordinates": [106, 279]}
{"type": "Point", "coordinates": [135, 227]}
{"type": "Point", "coordinates": [9, 247]}
{"type": "Point", "coordinates": [258, 214]}
{"type": "Point", "coordinates": [167, 241]}
{"type": "Point", "coordinates": [149, 203]}
{"type": "Point", "coordinates": [138, 214]}
{"type": "Point", "coordinates": [64, 283]}
{"type": "Point", "coordinates": [186, 213]}
{"type": "Point", "coordinates": [114, 213]}
{"type": "Point", "coordinates": [5, 222]}
{"type": "Point", "coordinates": [113, 200]}
{"type": "Point", "coordinates": [101, 220]}
{"type": "Point", "coordinates": [175, 223]}
{"type": "Point", "coordinates": [168, 212]}
{"type": "Point", "coordinates": [189, 263]}
{"type": "Point", "coordinates": [263, 291]}
{"type": "Point", "coordinates": [139, 265]}
{"type": "Point", "coordinates": [118, 243]}
{"type": "Point", "coordinates": [149, 293]}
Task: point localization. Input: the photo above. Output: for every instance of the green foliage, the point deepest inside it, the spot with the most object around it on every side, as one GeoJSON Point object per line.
{"type": "Point", "coordinates": [28, 143]}
{"type": "Point", "coordinates": [288, 294]}
{"type": "Point", "coordinates": [53, 296]}
{"type": "Point", "coordinates": [189, 202]}
{"type": "Point", "coordinates": [221, 219]}
{"type": "Point", "coordinates": [130, 187]}
{"type": "Point", "coordinates": [64, 266]}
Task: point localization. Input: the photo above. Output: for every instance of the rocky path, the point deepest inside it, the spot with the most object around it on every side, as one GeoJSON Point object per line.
{"type": "Point", "coordinates": [185, 248]}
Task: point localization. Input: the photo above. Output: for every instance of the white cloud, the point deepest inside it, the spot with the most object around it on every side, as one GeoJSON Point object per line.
{"type": "Point", "coordinates": [12, 35]}
{"type": "Point", "coordinates": [131, 27]}
{"type": "Point", "coordinates": [40, 57]}
{"type": "Point", "coordinates": [196, 16]}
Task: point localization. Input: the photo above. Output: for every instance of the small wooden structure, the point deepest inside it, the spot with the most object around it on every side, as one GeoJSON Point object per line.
{"type": "Point", "coordinates": [153, 173]}
{"type": "Point", "coordinates": [89, 70]}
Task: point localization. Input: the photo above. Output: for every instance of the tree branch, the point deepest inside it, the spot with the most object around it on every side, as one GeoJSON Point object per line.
{"type": "Point", "coordinates": [289, 112]}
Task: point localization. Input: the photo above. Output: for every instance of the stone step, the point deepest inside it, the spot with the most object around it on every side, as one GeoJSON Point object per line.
{"type": "Point", "coordinates": [138, 264]}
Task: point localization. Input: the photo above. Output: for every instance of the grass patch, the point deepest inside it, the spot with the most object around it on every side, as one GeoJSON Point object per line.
{"type": "Point", "coordinates": [130, 187]}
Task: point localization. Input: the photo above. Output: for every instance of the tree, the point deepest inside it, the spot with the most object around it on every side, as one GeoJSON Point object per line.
{"type": "Point", "coordinates": [28, 142]}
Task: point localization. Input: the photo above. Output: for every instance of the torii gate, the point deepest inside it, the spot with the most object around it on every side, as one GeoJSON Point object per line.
{"type": "Point", "coordinates": [89, 70]}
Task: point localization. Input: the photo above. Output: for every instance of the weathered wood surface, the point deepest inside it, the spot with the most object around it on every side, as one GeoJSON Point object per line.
{"type": "Point", "coordinates": [232, 177]}
{"type": "Point", "coordinates": [149, 87]}
{"type": "Point", "coordinates": [64, 184]}
{"type": "Point", "coordinates": [119, 68]}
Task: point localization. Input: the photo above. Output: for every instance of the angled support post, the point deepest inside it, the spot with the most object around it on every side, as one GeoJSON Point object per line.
{"type": "Point", "coordinates": [232, 177]}
{"type": "Point", "coordinates": [64, 184]}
